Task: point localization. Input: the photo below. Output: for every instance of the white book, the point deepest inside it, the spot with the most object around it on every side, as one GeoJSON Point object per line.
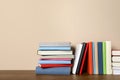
{"type": "Point", "coordinates": [114, 67]}
{"type": "Point", "coordinates": [57, 56]}
{"type": "Point", "coordinates": [116, 71]}
{"type": "Point", "coordinates": [108, 58]}
{"type": "Point", "coordinates": [54, 52]}
{"type": "Point", "coordinates": [116, 64]}
{"type": "Point", "coordinates": [116, 58]}
{"type": "Point", "coordinates": [77, 55]}
{"type": "Point", "coordinates": [116, 52]}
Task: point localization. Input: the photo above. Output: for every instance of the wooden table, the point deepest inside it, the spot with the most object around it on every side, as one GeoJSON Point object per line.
{"type": "Point", "coordinates": [30, 75]}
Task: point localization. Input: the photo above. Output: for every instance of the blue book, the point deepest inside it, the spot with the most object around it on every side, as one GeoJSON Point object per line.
{"type": "Point", "coordinates": [55, 70]}
{"type": "Point", "coordinates": [54, 48]}
{"type": "Point", "coordinates": [100, 58]}
{"type": "Point", "coordinates": [54, 62]}
{"type": "Point", "coordinates": [55, 44]}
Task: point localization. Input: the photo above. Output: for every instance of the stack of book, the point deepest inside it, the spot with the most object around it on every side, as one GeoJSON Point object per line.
{"type": "Point", "coordinates": [95, 57]}
{"type": "Point", "coordinates": [116, 62]}
{"type": "Point", "coordinates": [55, 58]}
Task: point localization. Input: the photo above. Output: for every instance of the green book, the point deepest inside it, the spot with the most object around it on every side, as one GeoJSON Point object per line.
{"type": "Point", "coordinates": [104, 57]}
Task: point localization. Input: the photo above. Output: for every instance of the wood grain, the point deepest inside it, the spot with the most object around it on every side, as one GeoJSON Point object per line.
{"type": "Point", "coordinates": [30, 75]}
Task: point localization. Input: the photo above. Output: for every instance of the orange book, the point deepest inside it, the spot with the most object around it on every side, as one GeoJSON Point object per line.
{"type": "Point", "coordinates": [90, 62]}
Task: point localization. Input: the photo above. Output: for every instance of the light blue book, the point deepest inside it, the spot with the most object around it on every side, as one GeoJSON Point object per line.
{"type": "Point", "coordinates": [55, 44]}
{"type": "Point", "coordinates": [55, 70]}
{"type": "Point", "coordinates": [94, 63]}
{"type": "Point", "coordinates": [53, 48]}
{"type": "Point", "coordinates": [54, 62]}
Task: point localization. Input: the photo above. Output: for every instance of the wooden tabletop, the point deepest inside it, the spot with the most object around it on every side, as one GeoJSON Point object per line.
{"type": "Point", "coordinates": [30, 75]}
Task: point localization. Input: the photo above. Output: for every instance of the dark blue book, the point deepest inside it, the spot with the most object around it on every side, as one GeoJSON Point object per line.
{"type": "Point", "coordinates": [55, 70]}
{"type": "Point", "coordinates": [100, 58]}
{"type": "Point", "coordinates": [54, 48]}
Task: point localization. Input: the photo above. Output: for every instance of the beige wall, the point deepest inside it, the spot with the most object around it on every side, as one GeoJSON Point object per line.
{"type": "Point", "coordinates": [25, 23]}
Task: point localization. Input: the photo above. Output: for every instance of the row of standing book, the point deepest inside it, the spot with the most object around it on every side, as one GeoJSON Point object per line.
{"type": "Point", "coordinates": [89, 57]}
{"type": "Point", "coordinates": [93, 57]}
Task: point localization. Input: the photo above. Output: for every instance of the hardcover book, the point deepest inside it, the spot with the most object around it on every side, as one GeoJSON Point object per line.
{"type": "Point", "coordinates": [55, 70]}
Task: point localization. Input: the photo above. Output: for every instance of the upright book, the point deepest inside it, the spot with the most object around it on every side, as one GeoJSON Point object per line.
{"type": "Point", "coordinates": [100, 58]}
{"type": "Point", "coordinates": [90, 62]}
{"type": "Point", "coordinates": [80, 58]}
{"type": "Point", "coordinates": [108, 58]}
{"type": "Point", "coordinates": [104, 57]}
{"type": "Point", "coordinates": [84, 59]}
{"type": "Point", "coordinates": [77, 55]}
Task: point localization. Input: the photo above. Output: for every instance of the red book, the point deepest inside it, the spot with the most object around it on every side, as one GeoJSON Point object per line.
{"type": "Point", "coordinates": [83, 60]}
{"type": "Point", "coordinates": [90, 62]}
{"type": "Point", "coordinates": [54, 65]}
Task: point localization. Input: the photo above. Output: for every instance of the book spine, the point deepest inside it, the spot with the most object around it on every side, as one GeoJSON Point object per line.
{"type": "Point", "coordinates": [77, 55]}
{"type": "Point", "coordinates": [55, 70]}
{"type": "Point", "coordinates": [100, 58]}
{"type": "Point", "coordinates": [55, 44]}
{"type": "Point", "coordinates": [108, 58]}
{"type": "Point", "coordinates": [90, 62]}
{"type": "Point", "coordinates": [54, 52]}
{"type": "Point", "coordinates": [54, 65]}
{"type": "Point", "coordinates": [80, 58]}
{"type": "Point", "coordinates": [47, 48]}
{"type": "Point", "coordinates": [93, 59]}
{"type": "Point", "coordinates": [53, 62]}
{"type": "Point", "coordinates": [84, 59]}
{"type": "Point", "coordinates": [104, 57]}
{"type": "Point", "coordinates": [96, 57]}
{"type": "Point", "coordinates": [65, 59]}
{"type": "Point", "coordinates": [116, 72]}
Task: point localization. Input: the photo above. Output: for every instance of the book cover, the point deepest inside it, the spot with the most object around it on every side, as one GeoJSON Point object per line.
{"type": "Point", "coordinates": [80, 58]}
{"type": "Point", "coordinates": [54, 65]}
{"type": "Point", "coordinates": [84, 59]}
{"type": "Point", "coordinates": [53, 62]}
{"type": "Point", "coordinates": [54, 70]}
{"type": "Point", "coordinates": [100, 58]}
{"type": "Point", "coordinates": [54, 52]}
{"type": "Point", "coordinates": [76, 59]}
{"type": "Point", "coordinates": [108, 58]}
{"type": "Point", "coordinates": [90, 61]}
{"type": "Point", "coordinates": [104, 57]}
